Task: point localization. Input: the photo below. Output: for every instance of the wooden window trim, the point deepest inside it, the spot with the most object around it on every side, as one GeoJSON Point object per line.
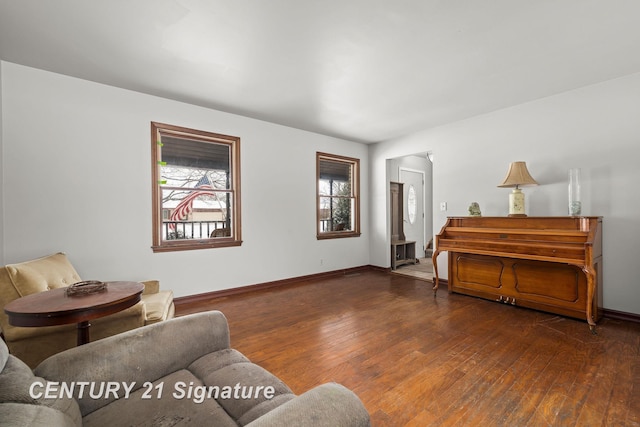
{"type": "Point", "coordinates": [160, 245]}
{"type": "Point", "coordinates": [356, 196]}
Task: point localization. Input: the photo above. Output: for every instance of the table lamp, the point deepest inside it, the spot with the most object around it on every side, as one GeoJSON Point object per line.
{"type": "Point", "coordinates": [516, 176]}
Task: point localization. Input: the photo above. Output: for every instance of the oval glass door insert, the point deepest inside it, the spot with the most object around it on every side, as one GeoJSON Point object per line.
{"type": "Point", "coordinates": [411, 204]}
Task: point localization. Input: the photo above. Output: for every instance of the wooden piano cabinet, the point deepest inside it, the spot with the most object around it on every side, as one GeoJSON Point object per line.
{"type": "Point", "coordinates": [552, 264]}
{"type": "Point", "coordinates": [546, 286]}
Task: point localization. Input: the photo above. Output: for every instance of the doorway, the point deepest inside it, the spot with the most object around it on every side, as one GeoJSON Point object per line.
{"type": "Point", "coordinates": [413, 207]}
{"type": "Point", "coordinates": [416, 170]}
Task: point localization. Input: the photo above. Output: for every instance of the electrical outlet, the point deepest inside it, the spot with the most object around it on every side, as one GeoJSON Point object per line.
{"type": "Point", "coordinates": [443, 206]}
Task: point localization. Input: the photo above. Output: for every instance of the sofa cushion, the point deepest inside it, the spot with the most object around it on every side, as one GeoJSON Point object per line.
{"type": "Point", "coordinates": [230, 369]}
{"type": "Point", "coordinates": [42, 274]}
{"type": "Point", "coordinates": [216, 360]}
{"type": "Point", "coordinates": [165, 404]}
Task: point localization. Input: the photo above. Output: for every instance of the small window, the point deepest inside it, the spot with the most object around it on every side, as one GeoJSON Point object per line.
{"type": "Point", "coordinates": [338, 198]}
{"type": "Point", "coordinates": [196, 189]}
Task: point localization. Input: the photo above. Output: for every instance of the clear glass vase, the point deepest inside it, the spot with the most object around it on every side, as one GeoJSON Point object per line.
{"type": "Point", "coordinates": [575, 202]}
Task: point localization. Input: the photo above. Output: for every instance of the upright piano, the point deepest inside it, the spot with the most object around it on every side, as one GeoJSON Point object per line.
{"type": "Point", "coordinates": [552, 264]}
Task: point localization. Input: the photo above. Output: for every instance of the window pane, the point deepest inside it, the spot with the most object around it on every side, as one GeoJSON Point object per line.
{"type": "Point", "coordinates": [335, 170]}
{"type": "Point", "coordinates": [183, 177]}
{"type": "Point", "coordinates": [195, 214]}
{"type": "Point", "coordinates": [184, 159]}
{"type": "Point", "coordinates": [336, 214]}
{"type": "Point", "coordinates": [335, 188]}
{"type": "Point", "coordinates": [335, 178]}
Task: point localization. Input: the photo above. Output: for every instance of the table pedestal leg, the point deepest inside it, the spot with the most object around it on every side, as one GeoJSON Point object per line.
{"type": "Point", "coordinates": [83, 332]}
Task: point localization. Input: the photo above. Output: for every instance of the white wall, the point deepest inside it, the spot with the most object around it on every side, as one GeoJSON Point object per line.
{"type": "Point", "coordinates": [596, 128]}
{"type": "Point", "coordinates": [77, 178]}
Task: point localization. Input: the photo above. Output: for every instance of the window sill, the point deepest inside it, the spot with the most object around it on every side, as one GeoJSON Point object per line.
{"type": "Point", "coordinates": [337, 235]}
{"type": "Point", "coordinates": [194, 245]}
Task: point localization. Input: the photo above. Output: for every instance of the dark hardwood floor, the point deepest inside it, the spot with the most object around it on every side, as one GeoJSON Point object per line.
{"type": "Point", "coordinates": [451, 360]}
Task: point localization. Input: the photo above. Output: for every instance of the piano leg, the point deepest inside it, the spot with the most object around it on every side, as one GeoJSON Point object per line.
{"type": "Point", "coordinates": [591, 289]}
{"type": "Point", "coordinates": [436, 279]}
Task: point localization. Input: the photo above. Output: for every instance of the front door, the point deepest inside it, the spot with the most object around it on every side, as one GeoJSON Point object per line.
{"type": "Point", "coordinates": [413, 207]}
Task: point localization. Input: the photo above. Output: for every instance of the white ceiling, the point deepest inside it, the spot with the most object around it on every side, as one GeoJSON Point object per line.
{"type": "Point", "coordinates": [364, 70]}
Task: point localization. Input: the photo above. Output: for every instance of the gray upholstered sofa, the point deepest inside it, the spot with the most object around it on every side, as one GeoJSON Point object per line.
{"type": "Point", "coordinates": [174, 373]}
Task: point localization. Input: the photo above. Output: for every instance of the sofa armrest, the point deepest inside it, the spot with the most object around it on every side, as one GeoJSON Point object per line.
{"type": "Point", "coordinates": [327, 405]}
{"type": "Point", "coordinates": [140, 355]}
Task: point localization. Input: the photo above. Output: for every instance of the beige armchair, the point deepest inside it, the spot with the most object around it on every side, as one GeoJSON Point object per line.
{"type": "Point", "coordinates": [34, 344]}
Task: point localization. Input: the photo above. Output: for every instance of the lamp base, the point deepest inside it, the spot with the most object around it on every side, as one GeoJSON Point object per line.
{"type": "Point", "coordinates": [518, 215]}
{"type": "Point", "coordinates": [516, 203]}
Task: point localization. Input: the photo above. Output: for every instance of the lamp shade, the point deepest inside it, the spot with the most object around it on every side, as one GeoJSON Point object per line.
{"type": "Point", "coordinates": [518, 175]}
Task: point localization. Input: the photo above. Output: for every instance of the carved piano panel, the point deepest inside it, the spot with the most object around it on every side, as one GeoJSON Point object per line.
{"type": "Point", "coordinates": [477, 272]}
{"type": "Point", "coordinates": [546, 263]}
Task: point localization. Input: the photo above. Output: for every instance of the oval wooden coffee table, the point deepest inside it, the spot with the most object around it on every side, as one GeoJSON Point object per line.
{"type": "Point", "coordinates": [54, 307]}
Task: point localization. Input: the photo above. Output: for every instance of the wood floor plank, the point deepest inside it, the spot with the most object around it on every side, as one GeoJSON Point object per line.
{"type": "Point", "coordinates": [452, 360]}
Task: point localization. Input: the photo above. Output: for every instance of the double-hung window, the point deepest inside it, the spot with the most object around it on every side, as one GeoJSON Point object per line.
{"type": "Point", "coordinates": [196, 189]}
{"type": "Point", "coordinates": [337, 196]}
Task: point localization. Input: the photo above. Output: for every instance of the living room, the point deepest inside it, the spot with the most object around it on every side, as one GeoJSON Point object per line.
{"type": "Point", "coordinates": [76, 166]}
{"type": "Point", "coordinates": [71, 147]}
